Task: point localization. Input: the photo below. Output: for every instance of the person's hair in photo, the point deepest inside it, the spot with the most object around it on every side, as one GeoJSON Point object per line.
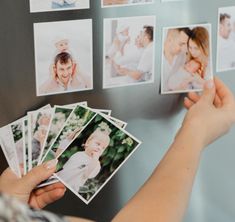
{"type": "Point", "coordinates": [149, 31]}
{"type": "Point", "coordinates": [63, 58]}
{"type": "Point", "coordinates": [200, 37]}
{"type": "Point", "coordinates": [224, 16]}
{"type": "Point", "coordinates": [186, 30]}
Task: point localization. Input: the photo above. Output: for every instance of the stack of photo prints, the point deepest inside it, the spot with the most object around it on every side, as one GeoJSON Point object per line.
{"type": "Point", "coordinates": [89, 144]}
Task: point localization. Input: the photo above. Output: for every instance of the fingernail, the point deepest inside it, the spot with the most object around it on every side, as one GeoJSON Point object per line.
{"type": "Point", "coordinates": [210, 84]}
{"type": "Point", "coordinates": [51, 164]}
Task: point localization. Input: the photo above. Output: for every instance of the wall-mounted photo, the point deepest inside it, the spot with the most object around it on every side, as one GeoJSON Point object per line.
{"type": "Point", "coordinates": [58, 5]}
{"type": "Point", "coordinates": [63, 56]}
{"type": "Point", "coordinates": [186, 58]}
{"type": "Point", "coordinates": [115, 3]}
{"type": "Point", "coordinates": [226, 39]}
{"type": "Point", "coordinates": [129, 51]}
{"type": "Point", "coordinates": [94, 157]}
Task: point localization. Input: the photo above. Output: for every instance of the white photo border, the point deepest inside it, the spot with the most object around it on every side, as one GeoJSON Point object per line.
{"type": "Point", "coordinates": [36, 57]}
{"type": "Point", "coordinates": [104, 86]}
{"type": "Point", "coordinates": [109, 178]}
{"type": "Point", "coordinates": [211, 55]}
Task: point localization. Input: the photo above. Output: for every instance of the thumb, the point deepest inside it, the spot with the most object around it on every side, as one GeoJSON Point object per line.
{"type": "Point", "coordinates": [208, 94]}
{"type": "Point", "coordinates": [38, 174]}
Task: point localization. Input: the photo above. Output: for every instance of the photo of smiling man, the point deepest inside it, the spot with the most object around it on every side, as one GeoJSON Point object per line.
{"type": "Point", "coordinates": [64, 76]}
{"type": "Point", "coordinates": [63, 61]}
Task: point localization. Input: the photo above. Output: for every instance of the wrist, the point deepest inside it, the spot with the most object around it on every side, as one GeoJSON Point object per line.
{"type": "Point", "coordinates": [191, 137]}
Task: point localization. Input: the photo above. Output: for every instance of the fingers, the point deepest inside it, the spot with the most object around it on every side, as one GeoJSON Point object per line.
{"type": "Point", "coordinates": [188, 103]}
{"type": "Point", "coordinates": [217, 101]}
{"type": "Point", "coordinates": [9, 174]}
{"type": "Point", "coordinates": [45, 198]}
{"type": "Point", "coordinates": [209, 90]}
{"type": "Point", "coordinates": [49, 188]}
{"type": "Point", "coordinates": [38, 174]}
{"type": "Point", "coordinates": [193, 96]}
{"type": "Point", "coordinates": [223, 92]}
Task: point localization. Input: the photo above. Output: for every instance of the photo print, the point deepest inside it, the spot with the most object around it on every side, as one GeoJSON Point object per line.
{"type": "Point", "coordinates": [17, 128]}
{"type": "Point", "coordinates": [38, 126]}
{"type": "Point", "coordinates": [8, 147]}
{"type": "Point", "coordinates": [77, 120]}
{"type": "Point", "coordinates": [94, 157]}
{"type": "Point", "coordinates": [26, 147]}
{"type": "Point", "coordinates": [128, 51]}
{"type": "Point", "coordinates": [63, 57]}
{"type": "Point", "coordinates": [58, 5]}
{"type": "Point", "coordinates": [115, 3]}
{"type": "Point", "coordinates": [186, 58]}
{"type": "Point", "coordinates": [226, 39]}
{"type": "Point", "coordinates": [60, 115]}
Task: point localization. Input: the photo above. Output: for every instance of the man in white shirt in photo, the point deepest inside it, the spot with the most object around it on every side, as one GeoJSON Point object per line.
{"type": "Point", "coordinates": [144, 70]}
{"type": "Point", "coordinates": [174, 54]}
{"type": "Point", "coordinates": [226, 46]}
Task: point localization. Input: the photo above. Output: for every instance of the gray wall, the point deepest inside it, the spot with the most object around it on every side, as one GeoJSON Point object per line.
{"type": "Point", "coordinates": [152, 118]}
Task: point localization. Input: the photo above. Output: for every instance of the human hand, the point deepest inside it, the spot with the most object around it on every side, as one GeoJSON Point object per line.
{"type": "Point", "coordinates": [121, 71]}
{"type": "Point", "coordinates": [75, 70]}
{"type": "Point", "coordinates": [53, 72]}
{"type": "Point", "coordinates": [23, 188]}
{"type": "Point", "coordinates": [212, 114]}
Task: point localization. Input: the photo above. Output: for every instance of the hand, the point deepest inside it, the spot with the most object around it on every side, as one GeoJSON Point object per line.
{"type": "Point", "coordinates": [53, 72]}
{"type": "Point", "coordinates": [212, 114]}
{"type": "Point", "coordinates": [121, 71]}
{"type": "Point", "coordinates": [75, 70]}
{"type": "Point", "coordinates": [23, 188]}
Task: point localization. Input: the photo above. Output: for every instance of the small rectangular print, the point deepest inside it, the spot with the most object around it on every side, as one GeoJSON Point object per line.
{"type": "Point", "coordinates": [226, 39]}
{"type": "Point", "coordinates": [116, 3]}
{"type": "Point", "coordinates": [94, 157]}
{"type": "Point", "coordinates": [8, 147]}
{"type": "Point", "coordinates": [77, 120]}
{"type": "Point", "coordinates": [63, 56]}
{"type": "Point", "coordinates": [38, 126]}
{"type": "Point", "coordinates": [58, 5]}
{"type": "Point", "coordinates": [186, 58]}
{"type": "Point", "coordinates": [128, 52]}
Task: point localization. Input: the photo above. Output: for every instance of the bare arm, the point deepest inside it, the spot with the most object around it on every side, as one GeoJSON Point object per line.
{"type": "Point", "coordinates": [134, 74]}
{"type": "Point", "coordinates": [165, 195]}
{"type": "Point", "coordinates": [76, 219]}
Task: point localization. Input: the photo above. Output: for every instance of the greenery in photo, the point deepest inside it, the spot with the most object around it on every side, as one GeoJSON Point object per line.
{"type": "Point", "coordinates": [17, 131]}
{"type": "Point", "coordinates": [120, 147]}
{"type": "Point", "coordinates": [78, 119]}
{"type": "Point", "coordinates": [59, 118]}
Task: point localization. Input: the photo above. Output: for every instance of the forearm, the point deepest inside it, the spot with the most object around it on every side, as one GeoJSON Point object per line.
{"type": "Point", "coordinates": [76, 219]}
{"type": "Point", "coordinates": [134, 74]}
{"type": "Point", "coordinates": [165, 195]}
